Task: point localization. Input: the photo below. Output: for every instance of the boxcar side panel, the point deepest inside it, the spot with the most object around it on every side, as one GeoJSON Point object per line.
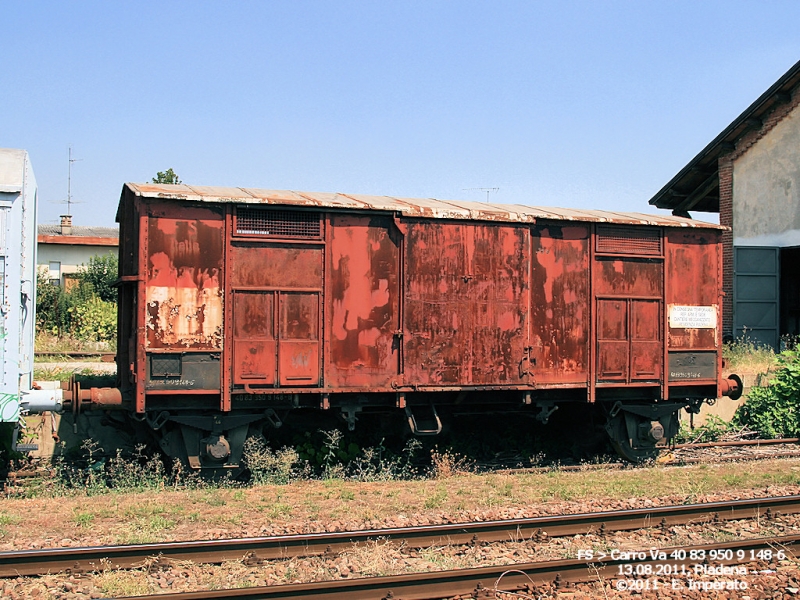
{"type": "Point", "coordinates": [276, 314]}
{"type": "Point", "coordinates": [628, 294]}
{"type": "Point", "coordinates": [692, 273]}
{"type": "Point", "coordinates": [363, 302]}
{"type": "Point", "coordinates": [560, 303]}
{"type": "Point", "coordinates": [184, 270]}
{"type": "Point", "coordinates": [466, 303]}
{"type": "Point", "coordinates": [693, 306]}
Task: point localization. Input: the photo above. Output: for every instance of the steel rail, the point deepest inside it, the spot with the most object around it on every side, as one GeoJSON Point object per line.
{"type": "Point", "coordinates": [734, 443]}
{"type": "Point", "coordinates": [677, 461]}
{"type": "Point", "coordinates": [444, 584]}
{"type": "Point", "coordinates": [255, 550]}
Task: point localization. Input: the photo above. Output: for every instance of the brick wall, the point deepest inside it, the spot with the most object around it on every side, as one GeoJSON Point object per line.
{"type": "Point", "coordinates": [726, 218]}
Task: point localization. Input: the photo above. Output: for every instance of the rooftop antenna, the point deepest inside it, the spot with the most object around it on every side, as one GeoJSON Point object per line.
{"type": "Point", "coordinates": [69, 182]}
{"type": "Point", "coordinates": [482, 189]}
{"type": "Point", "coordinates": [69, 201]}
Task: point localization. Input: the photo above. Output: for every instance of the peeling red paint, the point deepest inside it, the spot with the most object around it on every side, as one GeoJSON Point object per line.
{"type": "Point", "coordinates": [364, 301]}
{"type": "Point", "coordinates": [184, 294]}
{"type": "Point", "coordinates": [466, 303]}
{"type": "Point", "coordinates": [693, 273]}
{"type": "Point", "coordinates": [560, 303]}
{"type": "Point", "coordinates": [386, 302]}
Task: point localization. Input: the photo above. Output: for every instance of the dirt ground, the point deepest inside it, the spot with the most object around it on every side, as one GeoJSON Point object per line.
{"type": "Point", "coordinates": [167, 514]}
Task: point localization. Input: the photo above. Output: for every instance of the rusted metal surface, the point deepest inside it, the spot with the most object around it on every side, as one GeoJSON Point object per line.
{"type": "Point", "coordinates": [184, 270]}
{"type": "Point", "coordinates": [629, 298]}
{"type": "Point", "coordinates": [692, 274]}
{"type": "Point", "coordinates": [363, 301]}
{"type": "Point", "coordinates": [276, 313]}
{"type": "Point", "coordinates": [249, 293]}
{"type": "Point", "coordinates": [560, 303]}
{"type": "Point", "coordinates": [35, 562]}
{"type": "Point", "coordinates": [466, 303]}
{"type": "Point", "coordinates": [254, 345]}
{"type": "Point", "coordinates": [275, 266]}
{"type": "Point", "coordinates": [408, 207]}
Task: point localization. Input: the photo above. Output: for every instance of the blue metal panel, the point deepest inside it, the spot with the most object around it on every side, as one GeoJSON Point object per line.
{"type": "Point", "coordinates": [756, 290]}
{"type": "Point", "coordinates": [17, 274]}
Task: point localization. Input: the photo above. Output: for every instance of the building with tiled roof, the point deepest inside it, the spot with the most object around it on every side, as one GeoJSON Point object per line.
{"type": "Point", "coordinates": [62, 249]}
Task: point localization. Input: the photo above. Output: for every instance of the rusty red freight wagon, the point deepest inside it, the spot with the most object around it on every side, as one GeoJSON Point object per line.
{"type": "Point", "coordinates": [238, 306]}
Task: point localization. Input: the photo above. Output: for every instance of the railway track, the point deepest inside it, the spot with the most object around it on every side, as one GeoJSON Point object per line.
{"type": "Point", "coordinates": [103, 356]}
{"type": "Point", "coordinates": [736, 443]}
{"type": "Point", "coordinates": [257, 550]}
{"type": "Point", "coordinates": [675, 455]}
{"type": "Point", "coordinates": [519, 579]}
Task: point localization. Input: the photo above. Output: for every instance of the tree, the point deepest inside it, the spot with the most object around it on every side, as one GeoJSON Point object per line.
{"type": "Point", "coordinates": [168, 176]}
{"type": "Point", "coordinates": [101, 273]}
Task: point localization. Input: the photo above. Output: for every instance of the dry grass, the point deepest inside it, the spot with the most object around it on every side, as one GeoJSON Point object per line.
{"type": "Point", "coordinates": [150, 516]}
{"type": "Point", "coordinates": [47, 342]}
{"type": "Point", "coordinates": [746, 356]}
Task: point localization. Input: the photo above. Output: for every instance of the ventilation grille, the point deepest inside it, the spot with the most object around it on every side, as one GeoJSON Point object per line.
{"type": "Point", "coordinates": [165, 365]}
{"type": "Point", "coordinates": [278, 223]}
{"type": "Point", "coordinates": [615, 239]}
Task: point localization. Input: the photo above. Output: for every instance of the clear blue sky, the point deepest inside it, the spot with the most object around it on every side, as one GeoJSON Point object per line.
{"type": "Point", "coordinates": [579, 104]}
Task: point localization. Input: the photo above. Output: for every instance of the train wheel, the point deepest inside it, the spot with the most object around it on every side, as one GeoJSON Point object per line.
{"type": "Point", "coordinates": [633, 449]}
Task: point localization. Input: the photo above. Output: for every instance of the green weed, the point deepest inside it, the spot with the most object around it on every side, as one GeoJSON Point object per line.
{"type": "Point", "coordinates": [711, 431]}
{"type": "Point", "coordinates": [83, 519]}
{"type": "Point", "coordinates": [772, 411]}
{"type": "Point", "coordinates": [746, 354]}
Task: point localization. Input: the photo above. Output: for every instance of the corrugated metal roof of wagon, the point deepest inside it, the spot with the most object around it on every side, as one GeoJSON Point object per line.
{"type": "Point", "coordinates": [410, 207]}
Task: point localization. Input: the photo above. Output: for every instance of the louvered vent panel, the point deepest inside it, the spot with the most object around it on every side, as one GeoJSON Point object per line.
{"type": "Point", "coordinates": [278, 223]}
{"type": "Point", "coordinates": [165, 365]}
{"type": "Point", "coordinates": [615, 239]}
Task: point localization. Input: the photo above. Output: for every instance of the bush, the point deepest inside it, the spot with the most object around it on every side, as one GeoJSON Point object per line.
{"type": "Point", "coordinates": [94, 320]}
{"type": "Point", "coordinates": [52, 305]}
{"type": "Point", "coordinates": [100, 274]}
{"type": "Point", "coordinates": [745, 353]}
{"type": "Point", "coordinates": [86, 311]}
{"type": "Point", "coordinates": [773, 410]}
{"type": "Point", "coordinates": [267, 466]}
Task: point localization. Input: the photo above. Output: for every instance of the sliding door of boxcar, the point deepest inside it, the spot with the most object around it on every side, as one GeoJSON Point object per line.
{"type": "Point", "coordinates": [560, 303]}
{"type": "Point", "coordinates": [363, 301]}
{"type": "Point", "coordinates": [466, 303]}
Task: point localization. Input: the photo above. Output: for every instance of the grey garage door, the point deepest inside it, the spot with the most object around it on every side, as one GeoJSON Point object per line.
{"type": "Point", "coordinates": [756, 288]}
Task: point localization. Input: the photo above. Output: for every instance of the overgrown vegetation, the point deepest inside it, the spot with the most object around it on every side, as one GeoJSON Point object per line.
{"type": "Point", "coordinates": [746, 354]}
{"type": "Point", "coordinates": [332, 458]}
{"type": "Point", "coordinates": [85, 311]}
{"type": "Point", "coordinates": [774, 410]}
{"type": "Point", "coordinates": [87, 470]}
{"type": "Point", "coordinates": [712, 430]}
